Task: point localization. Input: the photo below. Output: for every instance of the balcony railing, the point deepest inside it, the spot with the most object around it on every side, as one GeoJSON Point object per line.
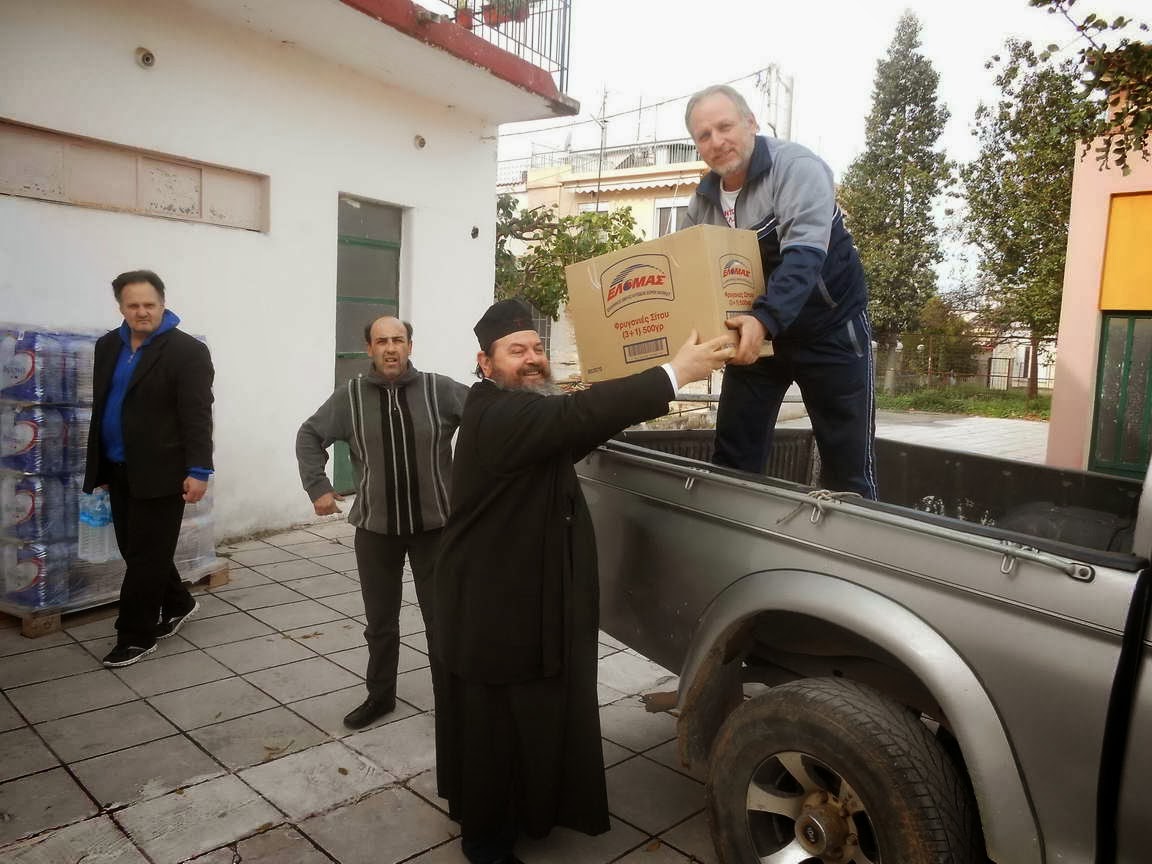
{"type": "Point", "coordinates": [649, 154]}
{"type": "Point", "coordinates": [533, 30]}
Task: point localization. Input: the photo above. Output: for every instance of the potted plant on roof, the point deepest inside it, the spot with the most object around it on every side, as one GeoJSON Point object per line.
{"type": "Point", "coordinates": [500, 12]}
{"type": "Point", "coordinates": [465, 15]}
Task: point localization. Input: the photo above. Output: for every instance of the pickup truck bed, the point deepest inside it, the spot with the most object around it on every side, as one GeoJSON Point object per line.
{"type": "Point", "coordinates": [995, 613]}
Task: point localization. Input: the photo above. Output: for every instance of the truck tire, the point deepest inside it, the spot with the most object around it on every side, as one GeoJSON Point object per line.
{"type": "Point", "coordinates": [827, 770]}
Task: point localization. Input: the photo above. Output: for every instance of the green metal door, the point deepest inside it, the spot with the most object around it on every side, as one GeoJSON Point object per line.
{"type": "Point", "coordinates": [1122, 427]}
{"type": "Point", "coordinates": [367, 286]}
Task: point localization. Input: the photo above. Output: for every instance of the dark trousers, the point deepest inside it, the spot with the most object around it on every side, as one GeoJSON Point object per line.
{"type": "Point", "coordinates": [835, 374]}
{"type": "Point", "coordinates": [380, 561]}
{"type": "Point", "coordinates": [147, 530]}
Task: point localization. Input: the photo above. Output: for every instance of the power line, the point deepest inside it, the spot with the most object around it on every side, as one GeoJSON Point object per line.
{"type": "Point", "coordinates": [619, 113]}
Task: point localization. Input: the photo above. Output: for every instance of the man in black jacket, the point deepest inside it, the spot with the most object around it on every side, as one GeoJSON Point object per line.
{"type": "Point", "coordinates": [518, 728]}
{"type": "Point", "coordinates": [150, 443]}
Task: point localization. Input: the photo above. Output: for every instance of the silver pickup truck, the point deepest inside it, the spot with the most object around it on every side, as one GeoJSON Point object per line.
{"type": "Point", "coordinates": [960, 673]}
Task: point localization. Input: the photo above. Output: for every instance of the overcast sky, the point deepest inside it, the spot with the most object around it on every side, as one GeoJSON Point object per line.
{"type": "Point", "coordinates": [653, 50]}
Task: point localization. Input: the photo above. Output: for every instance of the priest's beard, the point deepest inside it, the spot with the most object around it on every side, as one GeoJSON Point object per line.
{"type": "Point", "coordinates": [519, 380]}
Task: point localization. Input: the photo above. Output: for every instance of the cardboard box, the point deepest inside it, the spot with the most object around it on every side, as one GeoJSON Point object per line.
{"type": "Point", "coordinates": [633, 308]}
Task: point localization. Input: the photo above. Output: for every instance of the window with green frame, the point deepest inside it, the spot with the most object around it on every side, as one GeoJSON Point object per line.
{"type": "Point", "coordinates": [367, 286]}
{"type": "Point", "coordinates": [1122, 426]}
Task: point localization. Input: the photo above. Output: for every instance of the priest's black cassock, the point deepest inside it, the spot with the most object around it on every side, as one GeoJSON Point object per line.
{"type": "Point", "coordinates": [518, 728]}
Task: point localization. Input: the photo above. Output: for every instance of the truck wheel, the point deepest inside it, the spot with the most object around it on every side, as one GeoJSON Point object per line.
{"type": "Point", "coordinates": [827, 770]}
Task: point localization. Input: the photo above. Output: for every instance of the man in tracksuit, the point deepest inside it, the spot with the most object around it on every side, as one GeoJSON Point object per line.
{"type": "Point", "coordinates": [398, 424]}
{"type": "Point", "coordinates": [814, 307]}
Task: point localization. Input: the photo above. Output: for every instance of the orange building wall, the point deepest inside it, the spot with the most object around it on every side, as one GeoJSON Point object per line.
{"type": "Point", "coordinates": [1097, 274]}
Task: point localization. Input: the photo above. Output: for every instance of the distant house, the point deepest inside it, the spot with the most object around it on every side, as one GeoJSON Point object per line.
{"type": "Point", "coordinates": [656, 179]}
{"type": "Point", "coordinates": [291, 168]}
{"type": "Point", "coordinates": [1102, 404]}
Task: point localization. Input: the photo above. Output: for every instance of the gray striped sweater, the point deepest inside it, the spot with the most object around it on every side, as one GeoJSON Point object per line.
{"type": "Point", "coordinates": [399, 436]}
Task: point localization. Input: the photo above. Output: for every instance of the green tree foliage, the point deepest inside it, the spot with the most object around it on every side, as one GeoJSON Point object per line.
{"type": "Point", "coordinates": [551, 243]}
{"type": "Point", "coordinates": [1117, 80]}
{"type": "Point", "coordinates": [889, 190]}
{"type": "Point", "coordinates": [1018, 191]}
{"type": "Point", "coordinates": [944, 345]}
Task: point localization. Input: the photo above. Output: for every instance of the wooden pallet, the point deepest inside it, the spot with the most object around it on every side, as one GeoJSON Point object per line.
{"type": "Point", "coordinates": [41, 622]}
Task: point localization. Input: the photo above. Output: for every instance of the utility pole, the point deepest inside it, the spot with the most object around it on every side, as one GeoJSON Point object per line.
{"type": "Point", "coordinates": [603, 123]}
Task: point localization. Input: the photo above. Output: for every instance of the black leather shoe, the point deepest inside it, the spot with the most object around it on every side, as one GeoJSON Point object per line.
{"type": "Point", "coordinates": [369, 712]}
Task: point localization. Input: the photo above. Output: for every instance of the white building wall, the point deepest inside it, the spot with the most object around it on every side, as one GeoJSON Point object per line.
{"type": "Point", "coordinates": [265, 301]}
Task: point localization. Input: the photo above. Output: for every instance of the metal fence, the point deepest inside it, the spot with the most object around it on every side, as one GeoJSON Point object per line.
{"type": "Point", "coordinates": [648, 154]}
{"type": "Point", "coordinates": [534, 30]}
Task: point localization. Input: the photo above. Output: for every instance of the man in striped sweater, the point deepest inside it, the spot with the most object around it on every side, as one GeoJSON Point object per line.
{"type": "Point", "coordinates": [398, 424]}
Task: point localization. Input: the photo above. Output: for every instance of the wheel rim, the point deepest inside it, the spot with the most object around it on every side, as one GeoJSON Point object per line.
{"type": "Point", "coordinates": [800, 811]}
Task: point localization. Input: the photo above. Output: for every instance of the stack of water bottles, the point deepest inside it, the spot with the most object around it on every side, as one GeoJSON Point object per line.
{"type": "Point", "coordinates": [58, 547]}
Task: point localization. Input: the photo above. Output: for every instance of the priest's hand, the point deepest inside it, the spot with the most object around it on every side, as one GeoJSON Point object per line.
{"type": "Point", "coordinates": [696, 360]}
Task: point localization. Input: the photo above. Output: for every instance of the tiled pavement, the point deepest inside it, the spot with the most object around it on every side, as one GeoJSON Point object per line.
{"type": "Point", "coordinates": [227, 744]}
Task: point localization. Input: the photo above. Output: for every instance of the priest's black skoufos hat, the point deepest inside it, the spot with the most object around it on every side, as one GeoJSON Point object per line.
{"type": "Point", "coordinates": [507, 316]}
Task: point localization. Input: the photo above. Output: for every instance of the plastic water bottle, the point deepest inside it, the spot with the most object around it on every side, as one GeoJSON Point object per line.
{"type": "Point", "coordinates": [79, 352]}
{"type": "Point", "coordinates": [34, 508]}
{"type": "Point", "coordinates": [34, 575]}
{"type": "Point", "coordinates": [32, 439]}
{"type": "Point", "coordinates": [77, 422]}
{"type": "Point", "coordinates": [31, 367]}
{"type": "Point", "coordinates": [95, 536]}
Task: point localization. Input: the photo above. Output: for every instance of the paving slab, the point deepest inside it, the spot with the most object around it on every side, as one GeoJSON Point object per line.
{"type": "Point", "coordinates": [189, 822]}
{"type": "Point", "coordinates": [563, 846]}
{"type": "Point", "coordinates": [291, 538]}
{"type": "Point", "coordinates": [211, 605]}
{"type": "Point", "coordinates": [283, 845]}
{"type": "Point", "coordinates": [41, 801]}
{"type": "Point", "coordinates": [73, 695]}
{"type": "Point", "coordinates": [22, 752]}
{"type": "Point", "coordinates": [693, 837]}
{"type": "Point", "coordinates": [331, 636]}
{"type": "Point", "coordinates": [415, 688]}
{"type": "Point", "coordinates": [346, 604]}
{"type": "Point", "coordinates": [291, 571]}
{"type": "Point", "coordinates": [95, 733]}
{"type": "Point", "coordinates": [45, 665]}
{"type": "Point", "coordinates": [320, 548]}
{"type": "Point", "coordinates": [302, 679]}
{"type": "Point", "coordinates": [266, 555]}
{"type": "Point", "coordinates": [614, 753]}
{"type": "Point", "coordinates": [211, 703]}
{"type": "Point", "coordinates": [145, 771]}
{"type": "Point", "coordinates": [98, 840]}
{"type": "Point", "coordinates": [404, 748]}
{"type": "Point", "coordinates": [317, 779]}
{"type": "Point", "coordinates": [361, 833]}
{"type": "Point", "coordinates": [303, 613]}
{"type": "Point", "coordinates": [12, 641]}
{"type": "Point", "coordinates": [655, 852]}
{"type": "Point", "coordinates": [260, 596]}
{"type": "Point", "coordinates": [411, 620]}
{"type": "Point", "coordinates": [337, 529]}
{"type": "Point", "coordinates": [327, 585]}
{"type": "Point", "coordinates": [668, 755]}
{"type": "Point", "coordinates": [258, 738]}
{"type": "Point", "coordinates": [105, 626]}
{"type": "Point", "coordinates": [239, 577]}
{"type": "Point", "coordinates": [224, 629]}
{"type": "Point", "coordinates": [631, 674]}
{"type": "Point", "coordinates": [630, 724]}
{"type": "Point", "coordinates": [650, 796]}
{"type": "Point", "coordinates": [9, 717]}
{"type": "Point", "coordinates": [340, 563]}
{"type": "Point", "coordinates": [172, 673]}
{"type": "Point", "coordinates": [259, 653]}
